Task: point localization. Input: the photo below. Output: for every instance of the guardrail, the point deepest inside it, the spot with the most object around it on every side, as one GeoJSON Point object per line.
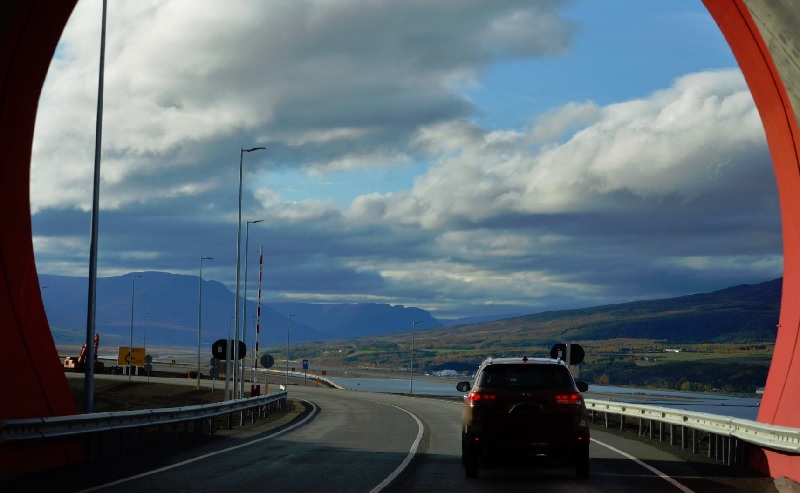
{"type": "Point", "coordinates": [728, 438]}
{"type": "Point", "coordinates": [314, 377]}
{"type": "Point", "coordinates": [118, 433]}
{"type": "Point", "coordinates": [111, 434]}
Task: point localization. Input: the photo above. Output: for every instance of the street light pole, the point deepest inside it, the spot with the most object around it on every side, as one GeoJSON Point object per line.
{"type": "Point", "coordinates": [228, 356]}
{"type": "Point", "coordinates": [244, 308]}
{"type": "Point", "coordinates": [200, 317]}
{"type": "Point", "coordinates": [411, 373]}
{"type": "Point", "coordinates": [130, 349]}
{"type": "Point", "coordinates": [238, 263]}
{"type": "Point", "coordinates": [144, 343]}
{"type": "Point", "coordinates": [91, 308]}
{"type": "Point", "coordinates": [288, 324]}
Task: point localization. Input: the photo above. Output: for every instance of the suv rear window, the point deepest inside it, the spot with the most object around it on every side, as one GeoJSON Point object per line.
{"type": "Point", "coordinates": [524, 376]}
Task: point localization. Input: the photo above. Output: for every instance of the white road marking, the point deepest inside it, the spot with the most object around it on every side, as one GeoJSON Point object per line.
{"type": "Point", "coordinates": [411, 453]}
{"type": "Point", "coordinates": [201, 457]}
{"type": "Point", "coordinates": [652, 469]}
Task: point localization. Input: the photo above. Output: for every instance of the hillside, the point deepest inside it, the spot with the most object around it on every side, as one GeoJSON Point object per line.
{"type": "Point", "coordinates": [379, 335]}
{"type": "Point", "coordinates": [747, 312]}
{"type": "Point", "coordinates": [724, 328]}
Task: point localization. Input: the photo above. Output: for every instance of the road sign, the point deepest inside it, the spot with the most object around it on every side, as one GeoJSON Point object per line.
{"type": "Point", "coordinates": [267, 361]}
{"type": "Point", "coordinates": [124, 356]}
{"type": "Point", "coordinates": [305, 364]}
{"type": "Point", "coordinates": [220, 347]}
{"type": "Point", "coordinates": [576, 353]}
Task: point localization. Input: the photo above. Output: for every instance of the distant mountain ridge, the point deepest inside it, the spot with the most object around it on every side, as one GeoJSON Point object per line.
{"type": "Point", "coordinates": [171, 304]}
{"type": "Point", "coordinates": [738, 313]}
{"type": "Point", "coordinates": [357, 319]}
{"type": "Point", "coordinates": [744, 312]}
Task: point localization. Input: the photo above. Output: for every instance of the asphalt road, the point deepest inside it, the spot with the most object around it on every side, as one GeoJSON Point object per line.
{"type": "Point", "coordinates": [364, 442]}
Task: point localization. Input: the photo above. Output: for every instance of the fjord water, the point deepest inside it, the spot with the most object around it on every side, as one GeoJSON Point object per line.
{"type": "Point", "coordinates": [704, 402]}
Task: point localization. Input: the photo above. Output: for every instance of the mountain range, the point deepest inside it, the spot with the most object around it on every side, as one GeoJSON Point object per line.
{"type": "Point", "coordinates": [167, 306]}
{"type": "Point", "coordinates": [170, 302]}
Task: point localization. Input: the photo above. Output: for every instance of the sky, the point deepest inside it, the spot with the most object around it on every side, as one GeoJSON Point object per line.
{"type": "Point", "coordinates": [466, 157]}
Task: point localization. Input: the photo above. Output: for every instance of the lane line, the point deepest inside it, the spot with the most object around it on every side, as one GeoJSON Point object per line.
{"type": "Point", "coordinates": [652, 469]}
{"type": "Point", "coordinates": [411, 453]}
{"type": "Point", "coordinates": [201, 457]}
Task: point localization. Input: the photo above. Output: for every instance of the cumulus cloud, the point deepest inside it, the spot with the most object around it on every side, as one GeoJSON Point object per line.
{"type": "Point", "coordinates": [587, 204]}
{"type": "Point", "coordinates": [675, 146]}
{"type": "Point", "coordinates": [324, 83]}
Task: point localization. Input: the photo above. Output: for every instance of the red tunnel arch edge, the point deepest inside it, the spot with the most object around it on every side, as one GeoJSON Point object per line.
{"type": "Point", "coordinates": [29, 33]}
{"type": "Point", "coordinates": [33, 381]}
{"type": "Point", "coordinates": [782, 393]}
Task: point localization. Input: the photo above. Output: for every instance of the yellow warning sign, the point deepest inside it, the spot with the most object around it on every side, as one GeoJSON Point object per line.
{"type": "Point", "coordinates": [124, 355]}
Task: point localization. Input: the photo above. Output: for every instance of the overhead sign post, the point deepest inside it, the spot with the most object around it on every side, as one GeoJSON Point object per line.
{"type": "Point", "coordinates": [267, 361]}
{"type": "Point", "coordinates": [148, 366]}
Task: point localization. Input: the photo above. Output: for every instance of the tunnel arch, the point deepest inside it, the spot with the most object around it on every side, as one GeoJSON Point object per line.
{"type": "Point", "coordinates": [761, 34]}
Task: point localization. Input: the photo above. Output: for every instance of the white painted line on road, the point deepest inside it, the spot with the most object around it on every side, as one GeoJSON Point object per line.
{"type": "Point", "coordinates": [212, 454]}
{"type": "Point", "coordinates": [411, 453]}
{"type": "Point", "coordinates": [652, 469]}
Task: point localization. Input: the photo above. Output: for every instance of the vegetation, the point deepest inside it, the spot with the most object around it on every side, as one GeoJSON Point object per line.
{"type": "Point", "coordinates": [721, 340]}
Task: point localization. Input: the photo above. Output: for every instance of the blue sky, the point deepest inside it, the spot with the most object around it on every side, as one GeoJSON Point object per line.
{"type": "Point", "coordinates": [465, 157]}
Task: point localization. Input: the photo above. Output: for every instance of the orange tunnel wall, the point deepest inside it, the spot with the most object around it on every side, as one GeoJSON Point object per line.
{"type": "Point", "coordinates": [30, 369]}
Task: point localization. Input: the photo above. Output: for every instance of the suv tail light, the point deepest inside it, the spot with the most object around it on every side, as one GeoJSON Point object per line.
{"type": "Point", "coordinates": [570, 398]}
{"type": "Point", "coordinates": [481, 398]}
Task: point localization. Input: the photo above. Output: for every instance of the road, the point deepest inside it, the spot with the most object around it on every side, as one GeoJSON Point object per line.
{"type": "Point", "coordinates": [359, 441]}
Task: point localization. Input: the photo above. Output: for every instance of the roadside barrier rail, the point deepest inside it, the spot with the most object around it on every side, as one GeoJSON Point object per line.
{"type": "Point", "coordinates": [31, 429]}
{"type": "Point", "coordinates": [728, 439]}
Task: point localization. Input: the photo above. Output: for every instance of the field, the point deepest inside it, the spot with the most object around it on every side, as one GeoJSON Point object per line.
{"type": "Point", "coordinates": [647, 363]}
{"type": "Point", "coordinates": [113, 395]}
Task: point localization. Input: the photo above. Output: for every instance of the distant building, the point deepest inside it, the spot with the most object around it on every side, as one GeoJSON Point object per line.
{"type": "Point", "coordinates": [447, 373]}
{"type": "Point", "coordinates": [672, 350]}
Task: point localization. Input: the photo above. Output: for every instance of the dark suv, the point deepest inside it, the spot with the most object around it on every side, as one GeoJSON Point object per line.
{"type": "Point", "coordinates": [525, 411]}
